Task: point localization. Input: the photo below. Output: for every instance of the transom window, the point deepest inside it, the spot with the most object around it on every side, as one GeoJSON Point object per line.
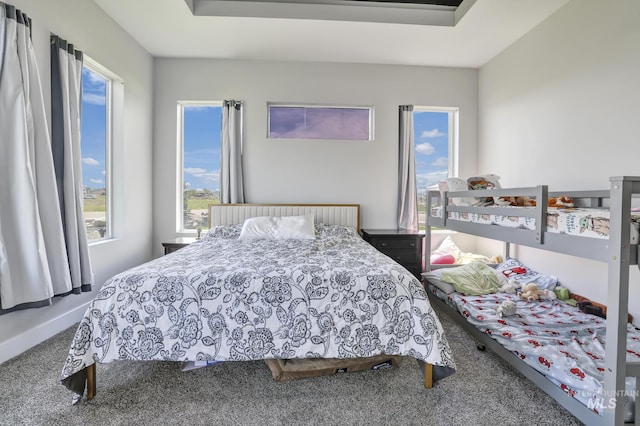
{"type": "Point", "coordinates": [320, 122]}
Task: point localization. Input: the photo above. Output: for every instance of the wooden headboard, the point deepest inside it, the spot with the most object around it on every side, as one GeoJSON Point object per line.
{"type": "Point", "coordinates": [329, 214]}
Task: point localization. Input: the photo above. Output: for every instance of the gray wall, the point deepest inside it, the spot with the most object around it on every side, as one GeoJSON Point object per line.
{"type": "Point", "coordinates": [92, 31]}
{"type": "Point", "coordinates": [560, 107]}
{"type": "Point", "coordinates": [308, 171]}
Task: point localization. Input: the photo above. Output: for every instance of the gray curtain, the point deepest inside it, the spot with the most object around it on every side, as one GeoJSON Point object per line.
{"type": "Point", "coordinates": [407, 192]}
{"type": "Point", "coordinates": [33, 257]}
{"type": "Point", "coordinates": [66, 103]}
{"type": "Point", "coordinates": [231, 174]}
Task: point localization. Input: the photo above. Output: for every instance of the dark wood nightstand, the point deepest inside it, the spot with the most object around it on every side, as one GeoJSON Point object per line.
{"type": "Point", "coordinates": [402, 246]}
{"type": "Point", "coordinates": [176, 244]}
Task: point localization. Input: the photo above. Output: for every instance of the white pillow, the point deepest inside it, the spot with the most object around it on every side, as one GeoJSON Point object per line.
{"type": "Point", "coordinates": [279, 228]}
{"type": "Point", "coordinates": [456, 184]}
{"type": "Point", "coordinates": [435, 278]}
{"type": "Point", "coordinates": [296, 227]}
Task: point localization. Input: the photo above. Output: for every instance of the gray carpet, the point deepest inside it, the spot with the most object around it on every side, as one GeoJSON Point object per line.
{"type": "Point", "coordinates": [484, 391]}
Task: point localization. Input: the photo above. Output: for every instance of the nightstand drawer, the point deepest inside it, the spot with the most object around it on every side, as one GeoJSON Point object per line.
{"type": "Point", "coordinates": [404, 257]}
{"type": "Point", "coordinates": [383, 243]}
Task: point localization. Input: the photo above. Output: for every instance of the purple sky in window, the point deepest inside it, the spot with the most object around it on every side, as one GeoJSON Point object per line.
{"type": "Point", "coordinates": [318, 123]}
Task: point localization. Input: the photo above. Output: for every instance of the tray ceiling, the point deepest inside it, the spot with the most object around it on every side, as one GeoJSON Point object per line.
{"type": "Point", "coordinates": [471, 33]}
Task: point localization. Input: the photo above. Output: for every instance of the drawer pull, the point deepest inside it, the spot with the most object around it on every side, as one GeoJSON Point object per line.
{"type": "Point", "coordinates": [383, 244]}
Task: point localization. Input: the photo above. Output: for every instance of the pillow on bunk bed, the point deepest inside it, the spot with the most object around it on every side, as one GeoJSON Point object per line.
{"type": "Point", "coordinates": [445, 259]}
{"type": "Point", "coordinates": [448, 250]}
{"type": "Point", "coordinates": [482, 182]}
{"type": "Point", "coordinates": [515, 270]}
{"type": "Point", "coordinates": [456, 184]}
{"type": "Point", "coordinates": [486, 181]}
{"type": "Point", "coordinates": [474, 278]}
{"type": "Point", "coordinates": [434, 277]}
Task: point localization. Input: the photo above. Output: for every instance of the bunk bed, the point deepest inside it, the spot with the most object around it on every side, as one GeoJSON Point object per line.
{"type": "Point", "coordinates": [618, 249]}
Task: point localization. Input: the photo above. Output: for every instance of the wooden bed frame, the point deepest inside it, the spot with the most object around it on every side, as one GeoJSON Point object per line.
{"type": "Point", "coordinates": [230, 214]}
{"type": "Point", "coordinates": [616, 251]}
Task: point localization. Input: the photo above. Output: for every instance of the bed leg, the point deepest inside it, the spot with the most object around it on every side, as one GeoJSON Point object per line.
{"type": "Point", "coordinates": [428, 375]}
{"type": "Point", "coordinates": [91, 381]}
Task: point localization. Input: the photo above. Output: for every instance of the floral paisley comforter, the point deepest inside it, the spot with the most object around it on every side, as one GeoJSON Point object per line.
{"type": "Point", "coordinates": [226, 299]}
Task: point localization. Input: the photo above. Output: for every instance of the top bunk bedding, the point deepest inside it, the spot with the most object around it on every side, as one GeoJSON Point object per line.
{"type": "Point", "coordinates": [224, 298]}
{"type": "Point", "coordinates": [584, 228]}
{"type": "Point", "coordinates": [583, 222]}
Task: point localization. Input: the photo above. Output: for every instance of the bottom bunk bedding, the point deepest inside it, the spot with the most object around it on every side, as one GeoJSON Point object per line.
{"type": "Point", "coordinates": [556, 339]}
{"type": "Point", "coordinates": [223, 298]}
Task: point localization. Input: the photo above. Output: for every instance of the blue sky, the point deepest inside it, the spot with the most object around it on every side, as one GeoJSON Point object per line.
{"type": "Point", "coordinates": [431, 140]}
{"type": "Point", "coordinates": [93, 129]}
{"type": "Point", "coordinates": [202, 125]}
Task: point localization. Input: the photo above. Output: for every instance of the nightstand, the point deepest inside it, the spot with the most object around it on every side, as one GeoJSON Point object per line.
{"type": "Point", "coordinates": [402, 246]}
{"type": "Point", "coordinates": [176, 244]}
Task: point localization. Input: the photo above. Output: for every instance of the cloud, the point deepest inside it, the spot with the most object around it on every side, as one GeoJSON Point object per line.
{"type": "Point", "coordinates": [425, 148]}
{"type": "Point", "coordinates": [430, 134]}
{"type": "Point", "coordinates": [200, 108]}
{"type": "Point", "coordinates": [94, 88]}
{"type": "Point", "coordinates": [90, 161]}
{"type": "Point", "coordinates": [93, 79]}
{"type": "Point", "coordinates": [194, 170]}
{"type": "Point", "coordinates": [441, 162]}
{"type": "Point", "coordinates": [427, 180]}
{"type": "Point", "coordinates": [94, 98]}
{"type": "Point", "coordinates": [204, 174]}
{"type": "Point", "coordinates": [96, 181]}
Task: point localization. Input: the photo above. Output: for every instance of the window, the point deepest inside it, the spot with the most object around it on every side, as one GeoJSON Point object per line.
{"type": "Point", "coordinates": [200, 125]}
{"type": "Point", "coordinates": [96, 139]}
{"type": "Point", "coordinates": [435, 136]}
{"type": "Point", "coordinates": [320, 122]}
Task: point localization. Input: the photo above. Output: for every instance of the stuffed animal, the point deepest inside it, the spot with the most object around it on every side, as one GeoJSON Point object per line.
{"type": "Point", "coordinates": [531, 293]}
{"type": "Point", "coordinates": [504, 201]}
{"type": "Point", "coordinates": [515, 201]}
{"type": "Point", "coordinates": [561, 201]}
{"type": "Point", "coordinates": [548, 295]}
{"type": "Point", "coordinates": [511, 287]}
{"type": "Point", "coordinates": [506, 308]}
{"type": "Point", "coordinates": [525, 201]}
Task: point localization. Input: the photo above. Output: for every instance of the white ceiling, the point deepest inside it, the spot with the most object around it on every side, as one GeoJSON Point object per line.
{"type": "Point", "coordinates": [167, 28]}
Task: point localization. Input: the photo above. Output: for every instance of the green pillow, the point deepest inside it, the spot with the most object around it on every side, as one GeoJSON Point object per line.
{"type": "Point", "coordinates": [473, 278]}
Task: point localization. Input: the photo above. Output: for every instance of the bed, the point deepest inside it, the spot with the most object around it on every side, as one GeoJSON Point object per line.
{"type": "Point", "coordinates": [325, 293]}
{"type": "Point", "coordinates": [618, 248]}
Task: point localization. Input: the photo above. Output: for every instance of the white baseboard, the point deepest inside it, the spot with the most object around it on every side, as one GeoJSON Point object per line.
{"type": "Point", "coordinates": [29, 338]}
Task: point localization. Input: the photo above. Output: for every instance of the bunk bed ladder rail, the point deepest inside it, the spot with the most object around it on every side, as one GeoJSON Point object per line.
{"type": "Point", "coordinates": [542, 192]}
{"type": "Point", "coordinates": [620, 259]}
